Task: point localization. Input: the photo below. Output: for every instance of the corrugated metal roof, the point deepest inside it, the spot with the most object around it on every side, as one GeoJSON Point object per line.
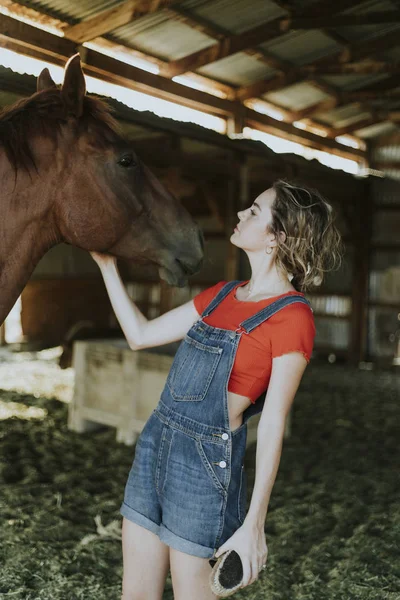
{"type": "Point", "coordinates": [236, 16]}
{"type": "Point", "coordinates": [301, 47]}
{"type": "Point", "coordinates": [239, 69]}
{"type": "Point", "coordinates": [71, 10]}
{"type": "Point", "coordinates": [375, 130]}
{"type": "Point", "coordinates": [355, 34]}
{"type": "Point", "coordinates": [159, 35]}
{"type": "Point", "coordinates": [389, 153]}
{"type": "Point", "coordinates": [162, 37]}
{"type": "Point", "coordinates": [349, 83]}
{"type": "Point", "coordinates": [343, 115]}
{"type": "Point", "coordinates": [297, 96]}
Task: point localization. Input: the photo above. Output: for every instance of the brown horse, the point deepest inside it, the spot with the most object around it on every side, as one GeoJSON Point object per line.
{"type": "Point", "coordinates": [68, 175]}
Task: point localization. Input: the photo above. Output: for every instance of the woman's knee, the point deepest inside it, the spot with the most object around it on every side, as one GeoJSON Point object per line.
{"type": "Point", "coordinates": [145, 563]}
{"type": "Point", "coordinates": [190, 576]}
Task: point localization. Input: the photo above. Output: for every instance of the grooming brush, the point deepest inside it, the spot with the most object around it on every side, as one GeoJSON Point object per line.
{"type": "Point", "coordinates": [227, 574]}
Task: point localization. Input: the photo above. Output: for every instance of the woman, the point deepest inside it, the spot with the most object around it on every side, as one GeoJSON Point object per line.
{"type": "Point", "coordinates": [185, 499]}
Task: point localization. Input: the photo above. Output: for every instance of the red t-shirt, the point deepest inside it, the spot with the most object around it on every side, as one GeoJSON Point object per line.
{"type": "Point", "coordinates": [291, 329]}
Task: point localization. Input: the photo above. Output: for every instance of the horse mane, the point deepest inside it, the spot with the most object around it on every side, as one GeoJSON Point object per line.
{"type": "Point", "coordinates": [43, 114]}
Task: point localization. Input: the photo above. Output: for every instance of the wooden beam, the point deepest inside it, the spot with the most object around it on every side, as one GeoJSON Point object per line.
{"type": "Point", "coordinates": [322, 106]}
{"type": "Point", "coordinates": [386, 139]}
{"type": "Point", "coordinates": [219, 33]}
{"type": "Point", "coordinates": [355, 52]}
{"type": "Point", "coordinates": [228, 46]}
{"type": "Point", "coordinates": [382, 166]}
{"type": "Point", "coordinates": [320, 9]}
{"type": "Point", "coordinates": [110, 19]}
{"type": "Point", "coordinates": [287, 131]}
{"type": "Point", "coordinates": [372, 18]}
{"type": "Point", "coordinates": [235, 124]}
{"type": "Point", "coordinates": [360, 97]}
{"type": "Point", "coordinates": [20, 37]}
{"type": "Point", "coordinates": [106, 45]}
{"type": "Point", "coordinates": [30, 40]}
{"type": "Point", "coordinates": [236, 43]}
{"type": "Point", "coordinates": [264, 86]}
{"type": "Point", "coordinates": [360, 124]}
{"type": "Point", "coordinates": [377, 116]}
{"type": "Point", "coordinates": [353, 68]}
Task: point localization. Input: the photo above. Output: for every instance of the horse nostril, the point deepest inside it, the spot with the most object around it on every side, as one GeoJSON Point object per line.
{"type": "Point", "coordinates": [189, 269]}
{"type": "Point", "coordinates": [186, 269]}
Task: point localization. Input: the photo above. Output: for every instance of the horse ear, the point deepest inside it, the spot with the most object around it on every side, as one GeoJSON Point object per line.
{"type": "Point", "coordinates": [44, 81]}
{"type": "Point", "coordinates": [74, 88]}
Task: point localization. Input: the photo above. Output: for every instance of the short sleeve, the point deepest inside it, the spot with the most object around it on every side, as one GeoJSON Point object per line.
{"type": "Point", "coordinates": [293, 330]}
{"type": "Point", "coordinates": [203, 299]}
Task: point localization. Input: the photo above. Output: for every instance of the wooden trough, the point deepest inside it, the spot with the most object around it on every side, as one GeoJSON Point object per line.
{"type": "Point", "coordinates": [119, 387]}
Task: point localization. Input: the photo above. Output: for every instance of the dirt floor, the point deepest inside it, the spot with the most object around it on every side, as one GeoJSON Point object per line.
{"type": "Point", "coordinates": [333, 525]}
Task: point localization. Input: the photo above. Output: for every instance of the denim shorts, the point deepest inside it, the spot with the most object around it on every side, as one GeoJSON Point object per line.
{"type": "Point", "coordinates": [178, 487]}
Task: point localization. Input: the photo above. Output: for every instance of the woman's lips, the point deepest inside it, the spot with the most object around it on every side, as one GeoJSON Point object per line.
{"type": "Point", "coordinates": [236, 229]}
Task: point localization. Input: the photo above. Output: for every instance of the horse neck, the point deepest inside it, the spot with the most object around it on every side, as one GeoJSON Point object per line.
{"type": "Point", "coordinates": [26, 232]}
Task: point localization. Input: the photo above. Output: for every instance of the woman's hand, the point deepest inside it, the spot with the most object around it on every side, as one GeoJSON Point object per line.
{"type": "Point", "coordinates": [103, 260]}
{"type": "Point", "coordinates": [249, 542]}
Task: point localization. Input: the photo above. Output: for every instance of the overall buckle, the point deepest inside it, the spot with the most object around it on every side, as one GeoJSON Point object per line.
{"type": "Point", "coordinates": [241, 329]}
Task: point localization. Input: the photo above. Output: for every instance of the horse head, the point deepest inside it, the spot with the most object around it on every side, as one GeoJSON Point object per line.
{"type": "Point", "coordinates": [105, 198]}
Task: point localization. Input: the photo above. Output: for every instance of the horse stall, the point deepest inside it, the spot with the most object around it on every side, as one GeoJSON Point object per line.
{"type": "Point", "coordinates": [213, 177]}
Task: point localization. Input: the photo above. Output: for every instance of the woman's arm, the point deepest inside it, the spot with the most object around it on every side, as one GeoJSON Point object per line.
{"type": "Point", "coordinates": [139, 331]}
{"type": "Point", "coordinates": [270, 430]}
{"type": "Point", "coordinates": [249, 540]}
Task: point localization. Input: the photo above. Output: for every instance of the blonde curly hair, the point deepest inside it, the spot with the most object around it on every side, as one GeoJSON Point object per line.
{"type": "Point", "coordinates": [313, 244]}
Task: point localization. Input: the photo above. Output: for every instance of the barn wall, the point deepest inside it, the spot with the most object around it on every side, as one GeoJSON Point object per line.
{"type": "Point", "coordinates": [214, 182]}
{"type": "Point", "coordinates": [384, 275]}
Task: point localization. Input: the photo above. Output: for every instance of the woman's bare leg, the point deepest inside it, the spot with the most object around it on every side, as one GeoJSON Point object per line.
{"type": "Point", "coordinates": [189, 576]}
{"type": "Point", "coordinates": [145, 561]}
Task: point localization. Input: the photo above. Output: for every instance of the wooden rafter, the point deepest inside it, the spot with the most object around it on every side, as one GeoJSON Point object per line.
{"type": "Point", "coordinates": [323, 16]}
{"type": "Point", "coordinates": [29, 40]}
{"type": "Point", "coordinates": [382, 166]}
{"type": "Point", "coordinates": [44, 20]}
{"type": "Point", "coordinates": [354, 68]}
{"type": "Point", "coordinates": [288, 131]}
{"type": "Point", "coordinates": [361, 123]}
{"type": "Point", "coordinates": [372, 18]}
{"type": "Point", "coordinates": [232, 44]}
{"type": "Point", "coordinates": [219, 33]}
{"type": "Point", "coordinates": [114, 17]}
{"type": "Point", "coordinates": [203, 25]}
{"type": "Point", "coordinates": [356, 52]}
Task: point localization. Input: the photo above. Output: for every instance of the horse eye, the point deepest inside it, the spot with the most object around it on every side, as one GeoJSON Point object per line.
{"type": "Point", "coordinates": [127, 161]}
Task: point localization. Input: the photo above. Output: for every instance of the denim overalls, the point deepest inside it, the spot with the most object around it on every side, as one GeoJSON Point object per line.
{"type": "Point", "coordinates": [187, 482]}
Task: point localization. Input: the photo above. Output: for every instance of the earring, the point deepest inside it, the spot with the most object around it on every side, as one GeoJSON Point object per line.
{"type": "Point", "coordinates": [270, 248]}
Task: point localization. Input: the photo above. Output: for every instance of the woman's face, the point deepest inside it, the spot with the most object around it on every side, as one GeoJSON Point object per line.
{"type": "Point", "coordinates": [251, 231]}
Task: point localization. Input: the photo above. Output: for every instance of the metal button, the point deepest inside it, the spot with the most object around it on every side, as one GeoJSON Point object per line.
{"type": "Point", "coordinates": [222, 464]}
{"type": "Point", "coordinates": [224, 436]}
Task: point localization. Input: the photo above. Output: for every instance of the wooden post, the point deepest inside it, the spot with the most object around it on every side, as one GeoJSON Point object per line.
{"type": "Point", "coordinates": [362, 233]}
{"type": "Point", "coordinates": [3, 334]}
{"type": "Point", "coordinates": [237, 121]}
{"type": "Point", "coordinates": [165, 297]}
{"type": "Point", "coordinates": [238, 193]}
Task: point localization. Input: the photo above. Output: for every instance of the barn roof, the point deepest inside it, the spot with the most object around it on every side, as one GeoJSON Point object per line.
{"type": "Point", "coordinates": [327, 69]}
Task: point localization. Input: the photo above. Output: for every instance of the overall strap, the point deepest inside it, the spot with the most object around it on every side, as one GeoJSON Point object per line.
{"type": "Point", "coordinates": [249, 324]}
{"type": "Point", "coordinates": [223, 292]}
